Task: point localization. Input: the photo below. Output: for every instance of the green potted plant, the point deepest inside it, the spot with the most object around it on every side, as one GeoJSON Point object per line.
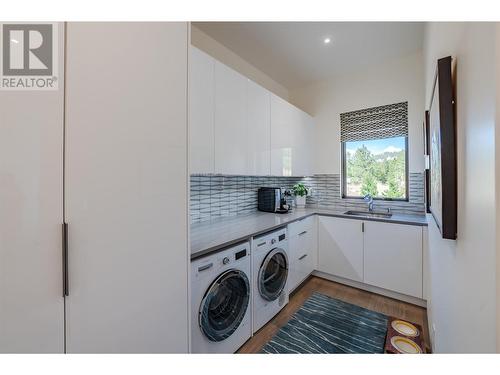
{"type": "Point", "coordinates": [300, 191]}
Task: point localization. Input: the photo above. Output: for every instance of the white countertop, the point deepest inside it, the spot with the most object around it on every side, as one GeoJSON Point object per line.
{"type": "Point", "coordinates": [209, 236]}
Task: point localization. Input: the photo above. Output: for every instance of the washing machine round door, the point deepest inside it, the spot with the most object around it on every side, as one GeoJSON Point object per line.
{"type": "Point", "coordinates": [224, 305]}
{"type": "Point", "coordinates": [273, 274]}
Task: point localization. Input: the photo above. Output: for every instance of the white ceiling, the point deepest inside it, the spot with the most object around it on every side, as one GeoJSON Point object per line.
{"type": "Point", "coordinates": [294, 55]}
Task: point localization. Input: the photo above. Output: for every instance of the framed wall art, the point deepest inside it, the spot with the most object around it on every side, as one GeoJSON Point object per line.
{"type": "Point", "coordinates": [441, 125]}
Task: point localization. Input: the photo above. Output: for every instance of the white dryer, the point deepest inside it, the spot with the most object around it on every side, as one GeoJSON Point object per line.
{"type": "Point", "coordinates": [269, 276]}
{"type": "Point", "coordinates": [221, 301]}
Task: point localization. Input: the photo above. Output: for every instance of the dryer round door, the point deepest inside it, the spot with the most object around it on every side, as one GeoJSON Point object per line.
{"type": "Point", "coordinates": [224, 305]}
{"type": "Point", "coordinates": [273, 274]}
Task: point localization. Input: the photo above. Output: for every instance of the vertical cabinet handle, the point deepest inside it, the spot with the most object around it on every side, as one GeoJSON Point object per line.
{"type": "Point", "coordinates": [363, 227]}
{"type": "Point", "coordinates": [65, 259]}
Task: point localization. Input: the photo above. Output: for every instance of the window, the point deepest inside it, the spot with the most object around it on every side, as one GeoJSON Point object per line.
{"type": "Point", "coordinates": [375, 152]}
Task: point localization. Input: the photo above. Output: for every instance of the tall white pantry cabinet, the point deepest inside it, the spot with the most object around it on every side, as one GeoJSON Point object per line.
{"type": "Point", "coordinates": [116, 134]}
{"type": "Point", "coordinates": [31, 213]}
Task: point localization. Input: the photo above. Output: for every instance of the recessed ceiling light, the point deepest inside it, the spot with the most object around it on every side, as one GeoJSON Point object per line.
{"type": "Point", "coordinates": [327, 40]}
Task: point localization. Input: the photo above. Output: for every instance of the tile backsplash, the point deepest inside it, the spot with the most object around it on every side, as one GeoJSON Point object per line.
{"type": "Point", "coordinates": [214, 196]}
{"type": "Point", "coordinates": [327, 193]}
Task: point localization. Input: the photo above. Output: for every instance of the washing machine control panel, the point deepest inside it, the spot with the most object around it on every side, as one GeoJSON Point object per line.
{"type": "Point", "coordinates": [240, 254]}
{"type": "Point", "coordinates": [211, 264]}
{"type": "Point", "coordinates": [237, 255]}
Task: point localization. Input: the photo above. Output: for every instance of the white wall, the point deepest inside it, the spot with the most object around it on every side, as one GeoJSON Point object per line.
{"type": "Point", "coordinates": [220, 52]}
{"type": "Point", "coordinates": [462, 287]}
{"type": "Point", "coordinates": [393, 82]}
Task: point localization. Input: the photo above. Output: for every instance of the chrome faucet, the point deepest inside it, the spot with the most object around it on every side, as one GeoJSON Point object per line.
{"type": "Point", "coordinates": [369, 200]}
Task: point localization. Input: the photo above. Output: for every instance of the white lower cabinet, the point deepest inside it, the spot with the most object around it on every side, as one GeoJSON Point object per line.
{"type": "Point", "coordinates": [341, 247]}
{"type": "Point", "coordinates": [302, 249]}
{"type": "Point", "coordinates": [384, 255]}
{"type": "Point", "coordinates": [393, 257]}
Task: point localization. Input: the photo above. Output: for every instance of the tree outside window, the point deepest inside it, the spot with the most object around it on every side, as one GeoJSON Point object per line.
{"type": "Point", "coordinates": [377, 167]}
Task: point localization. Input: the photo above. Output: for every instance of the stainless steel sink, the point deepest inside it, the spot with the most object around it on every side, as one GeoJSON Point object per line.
{"type": "Point", "coordinates": [382, 215]}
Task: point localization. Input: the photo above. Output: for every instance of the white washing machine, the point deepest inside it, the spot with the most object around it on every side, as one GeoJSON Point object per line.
{"type": "Point", "coordinates": [270, 267]}
{"type": "Point", "coordinates": [221, 301]}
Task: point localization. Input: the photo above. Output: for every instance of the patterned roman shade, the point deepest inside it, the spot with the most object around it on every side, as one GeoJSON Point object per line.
{"type": "Point", "coordinates": [374, 123]}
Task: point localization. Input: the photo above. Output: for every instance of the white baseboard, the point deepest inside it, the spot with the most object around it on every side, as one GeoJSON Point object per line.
{"type": "Point", "coordinates": [373, 289]}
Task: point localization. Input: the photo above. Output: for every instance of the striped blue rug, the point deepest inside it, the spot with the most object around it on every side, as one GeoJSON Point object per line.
{"type": "Point", "coordinates": [327, 325]}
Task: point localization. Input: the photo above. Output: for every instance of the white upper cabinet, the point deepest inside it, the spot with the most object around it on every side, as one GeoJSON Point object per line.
{"type": "Point", "coordinates": [201, 111]}
{"type": "Point", "coordinates": [283, 118]}
{"type": "Point", "coordinates": [231, 150]}
{"type": "Point", "coordinates": [238, 127]}
{"type": "Point", "coordinates": [304, 142]}
{"type": "Point", "coordinates": [291, 136]}
{"type": "Point", "coordinates": [259, 129]}
{"type": "Point", "coordinates": [393, 257]}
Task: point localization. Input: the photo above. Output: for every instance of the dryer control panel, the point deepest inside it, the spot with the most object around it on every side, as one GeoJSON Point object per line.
{"type": "Point", "coordinates": [268, 241]}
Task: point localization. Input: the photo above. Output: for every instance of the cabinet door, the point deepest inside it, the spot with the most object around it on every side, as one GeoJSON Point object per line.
{"type": "Point", "coordinates": [301, 143]}
{"type": "Point", "coordinates": [31, 140]}
{"type": "Point", "coordinates": [293, 271]}
{"type": "Point", "coordinates": [201, 111]}
{"type": "Point", "coordinates": [393, 257]}
{"type": "Point", "coordinates": [301, 249]}
{"type": "Point", "coordinates": [305, 145]}
{"type": "Point", "coordinates": [259, 130]}
{"type": "Point", "coordinates": [306, 253]}
{"type": "Point", "coordinates": [125, 175]}
{"type": "Point", "coordinates": [341, 247]}
{"type": "Point", "coordinates": [283, 121]}
{"type": "Point", "coordinates": [231, 153]}
{"type": "Point", "coordinates": [291, 139]}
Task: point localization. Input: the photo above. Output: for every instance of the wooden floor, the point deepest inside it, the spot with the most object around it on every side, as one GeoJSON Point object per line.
{"type": "Point", "coordinates": [371, 301]}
